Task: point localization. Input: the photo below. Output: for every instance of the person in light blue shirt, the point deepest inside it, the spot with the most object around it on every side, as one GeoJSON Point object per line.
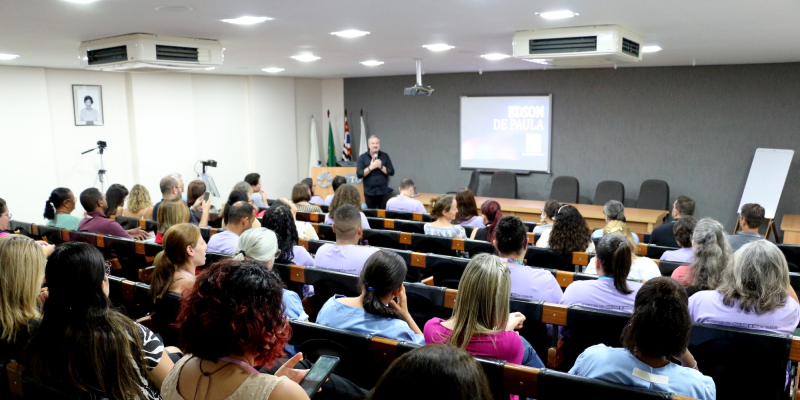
{"type": "Point", "coordinates": [381, 309]}
{"type": "Point", "coordinates": [658, 330]}
{"type": "Point", "coordinates": [261, 244]}
{"type": "Point", "coordinates": [614, 211]}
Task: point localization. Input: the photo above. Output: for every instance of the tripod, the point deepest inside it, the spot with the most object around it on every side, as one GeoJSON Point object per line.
{"type": "Point", "coordinates": [101, 173]}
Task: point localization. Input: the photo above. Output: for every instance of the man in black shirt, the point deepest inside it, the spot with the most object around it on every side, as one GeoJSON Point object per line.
{"type": "Point", "coordinates": [375, 168]}
{"type": "Point", "coordinates": [663, 235]}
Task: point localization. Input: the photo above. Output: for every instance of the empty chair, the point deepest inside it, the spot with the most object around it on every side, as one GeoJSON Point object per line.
{"type": "Point", "coordinates": [565, 189]}
{"type": "Point", "coordinates": [654, 195]}
{"type": "Point", "coordinates": [609, 190]}
{"type": "Point", "coordinates": [474, 181]}
{"type": "Point", "coordinates": [792, 254]}
{"type": "Point", "coordinates": [504, 185]}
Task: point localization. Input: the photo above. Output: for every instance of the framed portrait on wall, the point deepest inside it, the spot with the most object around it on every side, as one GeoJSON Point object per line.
{"type": "Point", "coordinates": [87, 101]}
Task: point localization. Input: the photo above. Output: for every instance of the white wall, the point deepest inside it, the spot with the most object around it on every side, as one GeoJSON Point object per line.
{"type": "Point", "coordinates": [156, 124]}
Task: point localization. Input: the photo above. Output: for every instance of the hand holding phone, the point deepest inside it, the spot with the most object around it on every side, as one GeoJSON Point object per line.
{"type": "Point", "coordinates": [206, 196]}
{"type": "Point", "coordinates": [320, 372]}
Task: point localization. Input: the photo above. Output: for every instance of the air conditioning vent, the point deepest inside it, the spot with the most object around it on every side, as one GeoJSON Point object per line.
{"type": "Point", "coordinates": [175, 53]}
{"type": "Point", "coordinates": [630, 47]}
{"type": "Point", "coordinates": [563, 45]}
{"type": "Point", "coordinates": [107, 55]}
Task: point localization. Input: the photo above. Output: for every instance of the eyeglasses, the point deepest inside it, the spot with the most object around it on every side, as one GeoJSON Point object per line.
{"type": "Point", "coordinates": [6, 214]}
{"type": "Point", "coordinates": [277, 255]}
{"type": "Point", "coordinates": [107, 267]}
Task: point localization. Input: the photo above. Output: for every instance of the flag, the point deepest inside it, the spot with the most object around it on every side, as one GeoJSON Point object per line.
{"type": "Point", "coordinates": [362, 144]}
{"type": "Point", "coordinates": [346, 144]}
{"type": "Point", "coordinates": [313, 157]}
{"type": "Point", "coordinates": [331, 146]}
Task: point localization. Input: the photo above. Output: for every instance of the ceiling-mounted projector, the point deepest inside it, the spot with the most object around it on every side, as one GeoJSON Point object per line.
{"type": "Point", "coordinates": [418, 89]}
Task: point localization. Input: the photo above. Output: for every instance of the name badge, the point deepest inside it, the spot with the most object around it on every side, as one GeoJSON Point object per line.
{"type": "Point", "coordinates": [641, 374]}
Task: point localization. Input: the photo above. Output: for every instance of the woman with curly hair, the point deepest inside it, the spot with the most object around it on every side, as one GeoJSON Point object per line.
{"type": "Point", "coordinates": [346, 194]}
{"type": "Point", "coordinates": [467, 214]}
{"type": "Point", "coordinates": [278, 219]}
{"type": "Point", "coordinates": [230, 324]}
{"type": "Point", "coordinates": [570, 233]}
{"type": "Point", "coordinates": [139, 203]}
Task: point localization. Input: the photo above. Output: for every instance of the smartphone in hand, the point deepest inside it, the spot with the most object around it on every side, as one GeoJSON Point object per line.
{"type": "Point", "coordinates": [321, 370]}
{"type": "Point", "coordinates": [206, 196]}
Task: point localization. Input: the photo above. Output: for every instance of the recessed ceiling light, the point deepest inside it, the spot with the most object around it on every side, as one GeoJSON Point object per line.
{"type": "Point", "coordinates": [246, 20]}
{"type": "Point", "coordinates": [350, 33]}
{"type": "Point", "coordinates": [495, 56]}
{"type": "Point", "coordinates": [210, 68]}
{"type": "Point", "coordinates": [650, 49]}
{"type": "Point", "coordinates": [438, 47]}
{"type": "Point", "coordinates": [371, 63]}
{"type": "Point", "coordinates": [272, 70]}
{"type": "Point", "coordinates": [81, 1]}
{"type": "Point", "coordinates": [557, 14]}
{"type": "Point", "coordinates": [8, 56]}
{"type": "Point", "coordinates": [306, 57]}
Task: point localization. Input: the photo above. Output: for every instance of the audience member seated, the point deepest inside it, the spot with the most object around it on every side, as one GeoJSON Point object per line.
{"type": "Point", "coordinates": [611, 290]}
{"type": "Point", "coordinates": [663, 235]}
{"type": "Point", "coordinates": [84, 344]}
{"type": "Point", "coordinates": [95, 220]}
{"type": "Point", "coordinates": [240, 218]}
{"type": "Point", "coordinates": [433, 373]}
{"type": "Point", "coordinates": [5, 219]}
{"type": "Point", "coordinates": [301, 195]}
{"type": "Point", "coordinates": [304, 229]}
{"type": "Point", "coordinates": [683, 230]}
{"type": "Point", "coordinates": [712, 252]}
{"type": "Point", "coordinates": [754, 293]}
{"type": "Point", "coordinates": [172, 187]}
{"type": "Point", "coordinates": [375, 311]}
{"type": "Point", "coordinates": [548, 214]}
{"type": "Point", "coordinates": [183, 251]}
{"type": "Point", "coordinates": [261, 244]}
{"type": "Point", "coordinates": [444, 210]}
{"type": "Point", "coordinates": [278, 219]}
{"type": "Point", "coordinates": [172, 212]}
{"type": "Point", "coordinates": [614, 211]}
{"type": "Point", "coordinates": [237, 195]}
{"type": "Point", "coordinates": [491, 214]}
{"type": "Point", "coordinates": [259, 196]}
{"type": "Point", "coordinates": [750, 220]}
{"type": "Point", "coordinates": [230, 324]}
{"type": "Point", "coordinates": [346, 194]}
{"type": "Point", "coordinates": [405, 201]}
{"type": "Point", "coordinates": [482, 323]}
{"type": "Point", "coordinates": [22, 270]}
{"type": "Point", "coordinates": [195, 191]}
{"type": "Point", "coordinates": [115, 197]}
{"type": "Point", "coordinates": [642, 268]}
{"type": "Point", "coordinates": [569, 234]}
{"type": "Point", "coordinates": [58, 210]}
{"type": "Point", "coordinates": [312, 185]}
{"type": "Point", "coordinates": [658, 330]}
{"type": "Point", "coordinates": [527, 283]}
{"type": "Point", "coordinates": [335, 183]}
{"type": "Point", "coordinates": [345, 255]}
{"type": "Point", "coordinates": [139, 204]}
{"type": "Point", "coordinates": [467, 214]}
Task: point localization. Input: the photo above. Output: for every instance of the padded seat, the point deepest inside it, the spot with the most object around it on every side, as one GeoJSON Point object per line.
{"type": "Point", "coordinates": [565, 189]}
{"type": "Point", "coordinates": [609, 190]}
{"type": "Point", "coordinates": [426, 302]}
{"type": "Point", "coordinates": [654, 195]}
{"type": "Point", "coordinates": [555, 385]}
{"type": "Point", "coordinates": [668, 267]}
{"type": "Point", "coordinates": [446, 271]}
{"type": "Point", "coordinates": [792, 254]}
{"type": "Point", "coordinates": [534, 330]}
{"type": "Point", "coordinates": [383, 238]}
{"type": "Point", "coordinates": [504, 185]}
{"type": "Point", "coordinates": [474, 181]}
{"type": "Point", "coordinates": [546, 258]}
{"type": "Point", "coordinates": [475, 247]}
{"type": "Point", "coordinates": [588, 327]}
{"type": "Point", "coordinates": [655, 252]}
{"type": "Point", "coordinates": [325, 232]}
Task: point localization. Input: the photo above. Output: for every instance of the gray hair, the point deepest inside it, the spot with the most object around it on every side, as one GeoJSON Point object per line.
{"type": "Point", "coordinates": [373, 137]}
{"type": "Point", "coordinates": [712, 254]}
{"type": "Point", "coordinates": [258, 243]}
{"type": "Point", "coordinates": [758, 278]}
{"type": "Point", "coordinates": [615, 210]}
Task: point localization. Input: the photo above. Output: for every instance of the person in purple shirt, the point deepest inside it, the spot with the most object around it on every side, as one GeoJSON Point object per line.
{"type": "Point", "coordinates": [346, 194]}
{"type": "Point", "coordinates": [96, 221]}
{"type": "Point", "coordinates": [467, 210]}
{"type": "Point", "coordinates": [611, 291]}
{"type": "Point", "coordinates": [405, 201]}
{"type": "Point", "coordinates": [313, 186]}
{"type": "Point", "coordinates": [345, 255]}
{"type": "Point", "coordinates": [278, 218]}
{"type": "Point", "coordinates": [527, 283]}
{"type": "Point", "coordinates": [683, 230]}
{"type": "Point", "coordinates": [754, 293]}
{"type": "Point", "coordinates": [240, 218]}
{"type": "Point", "coordinates": [335, 183]}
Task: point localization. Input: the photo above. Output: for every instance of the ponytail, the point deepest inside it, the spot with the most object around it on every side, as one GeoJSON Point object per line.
{"type": "Point", "coordinates": [616, 257]}
{"type": "Point", "coordinates": [383, 273]}
{"type": "Point", "coordinates": [57, 197]}
{"type": "Point", "coordinates": [176, 239]}
{"type": "Point", "coordinates": [162, 276]}
{"type": "Point", "coordinates": [491, 209]}
{"type": "Point", "coordinates": [49, 210]}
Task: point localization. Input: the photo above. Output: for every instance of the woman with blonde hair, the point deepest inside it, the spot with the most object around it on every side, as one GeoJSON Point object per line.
{"type": "Point", "coordinates": [139, 203]}
{"type": "Point", "coordinates": [482, 323]}
{"type": "Point", "coordinates": [171, 212]}
{"type": "Point", "coordinates": [346, 194]}
{"type": "Point", "coordinates": [642, 268]}
{"type": "Point", "coordinates": [22, 263]}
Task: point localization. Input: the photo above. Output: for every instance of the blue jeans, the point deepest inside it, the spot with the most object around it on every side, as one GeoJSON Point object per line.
{"type": "Point", "coordinates": [530, 358]}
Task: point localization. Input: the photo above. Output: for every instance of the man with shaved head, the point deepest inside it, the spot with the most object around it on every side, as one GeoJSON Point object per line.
{"type": "Point", "coordinates": [345, 255]}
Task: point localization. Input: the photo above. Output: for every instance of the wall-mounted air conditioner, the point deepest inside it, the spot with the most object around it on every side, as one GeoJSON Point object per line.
{"type": "Point", "coordinates": [579, 46]}
{"type": "Point", "coordinates": [142, 52]}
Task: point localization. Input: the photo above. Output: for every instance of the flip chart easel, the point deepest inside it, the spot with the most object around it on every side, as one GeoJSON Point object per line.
{"type": "Point", "coordinates": [765, 184]}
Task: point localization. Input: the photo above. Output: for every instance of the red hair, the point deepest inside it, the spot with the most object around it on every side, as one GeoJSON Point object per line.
{"type": "Point", "coordinates": [235, 307]}
{"type": "Point", "coordinates": [491, 209]}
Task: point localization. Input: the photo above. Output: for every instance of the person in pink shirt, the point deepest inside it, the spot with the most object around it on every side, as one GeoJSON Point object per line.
{"type": "Point", "coordinates": [712, 253]}
{"type": "Point", "coordinates": [754, 293]}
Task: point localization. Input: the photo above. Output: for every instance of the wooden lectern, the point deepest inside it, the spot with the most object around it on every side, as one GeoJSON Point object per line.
{"type": "Point", "coordinates": [324, 178]}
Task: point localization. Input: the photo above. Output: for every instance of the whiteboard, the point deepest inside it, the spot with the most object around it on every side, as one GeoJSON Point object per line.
{"type": "Point", "coordinates": [767, 176]}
